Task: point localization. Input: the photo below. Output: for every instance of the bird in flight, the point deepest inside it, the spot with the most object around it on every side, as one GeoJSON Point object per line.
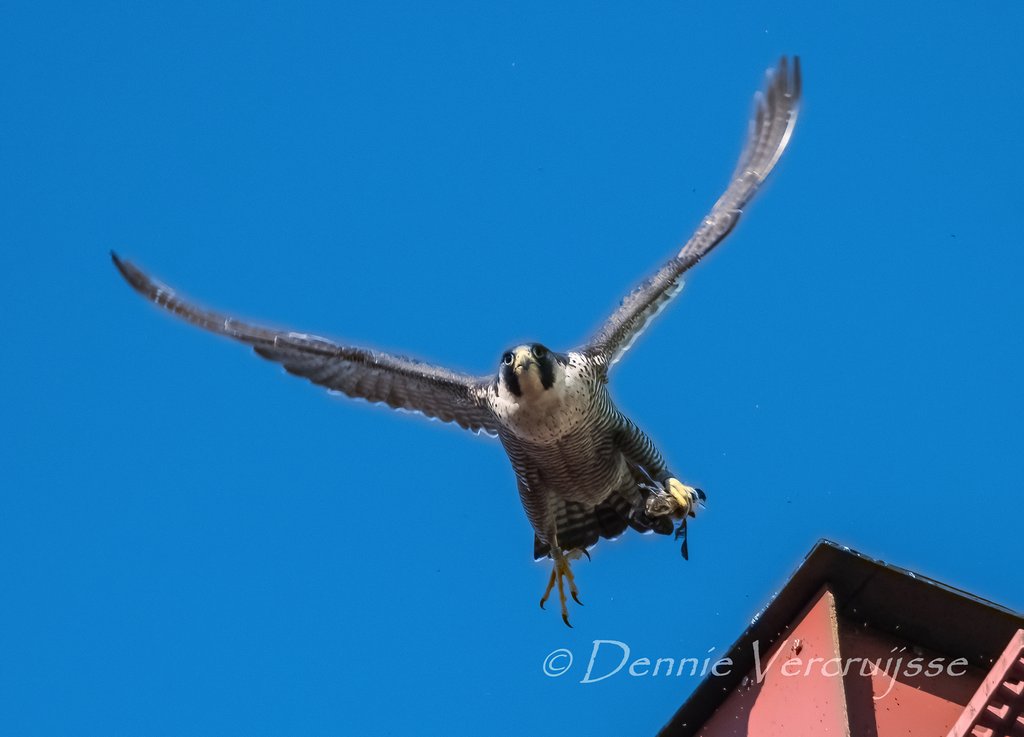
{"type": "Point", "coordinates": [584, 470]}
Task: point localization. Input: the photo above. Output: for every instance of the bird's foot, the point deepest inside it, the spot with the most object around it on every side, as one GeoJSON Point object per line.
{"type": "Point", "coordinates": [559, 571]}
{"type": "Point", "coordinates": [687, 497]}
{"type": "Point", "coordinates": [682, 501]}
{"type": "Point", "coordinates": [674, 500]}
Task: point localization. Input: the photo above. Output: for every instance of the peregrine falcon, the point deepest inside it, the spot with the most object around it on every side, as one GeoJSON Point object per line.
{"type": "Point", "coordinates": [583, 469]}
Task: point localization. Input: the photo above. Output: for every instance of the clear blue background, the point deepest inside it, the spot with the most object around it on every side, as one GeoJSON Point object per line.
{"type": "Point", "coordinates": [192, 543]}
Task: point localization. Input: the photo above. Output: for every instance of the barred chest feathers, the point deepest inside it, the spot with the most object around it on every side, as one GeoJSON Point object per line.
{"type": "Point", "coordinates": [540, 414]}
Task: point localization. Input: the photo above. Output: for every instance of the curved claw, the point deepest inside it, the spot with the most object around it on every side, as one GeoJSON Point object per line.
{"type": "Point", "coordinates": [547, 591]}
{"type": "Point", "coordinates": [559, 571]}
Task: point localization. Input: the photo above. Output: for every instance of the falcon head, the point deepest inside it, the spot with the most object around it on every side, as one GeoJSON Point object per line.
{"type": "Point", "coordinates": [528, 371]}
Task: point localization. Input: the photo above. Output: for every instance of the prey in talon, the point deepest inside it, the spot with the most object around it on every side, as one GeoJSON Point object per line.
{"type": "Point", "coordinates": [672, 501]}
{"type": "Point", "coordinates": [583, 469]}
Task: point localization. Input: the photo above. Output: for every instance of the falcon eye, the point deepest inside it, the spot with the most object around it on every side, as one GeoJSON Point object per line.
{"type": "Point", "coordinates": [507, 359]}
{"type": "Point", "coordinates": [539, 351]}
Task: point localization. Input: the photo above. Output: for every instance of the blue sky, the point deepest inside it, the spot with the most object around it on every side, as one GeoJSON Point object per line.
{"type": "Point", "coordinates": [194, 543]}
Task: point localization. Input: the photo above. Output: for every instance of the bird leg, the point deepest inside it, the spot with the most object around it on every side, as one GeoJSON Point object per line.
{"type": "Point", "coordinates": [674, 499]}
{"type": "Point", "coordinates": [561, 570]}
{"type": "Point", "coordinates": [686, 497]}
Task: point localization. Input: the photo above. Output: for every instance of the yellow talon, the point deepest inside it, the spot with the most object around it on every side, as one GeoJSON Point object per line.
{"type": "Point", "coordinates": [685, 496]}
{"type": "Point", "coordinates": [560, 571]}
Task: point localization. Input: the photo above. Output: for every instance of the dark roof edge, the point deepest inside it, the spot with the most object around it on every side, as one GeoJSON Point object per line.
{"type": "Point", "coordinates": [849, 573]}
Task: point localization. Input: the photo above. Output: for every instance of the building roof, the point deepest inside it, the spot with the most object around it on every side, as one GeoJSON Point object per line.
{"type": "Point", "coordinates": [883, 597]}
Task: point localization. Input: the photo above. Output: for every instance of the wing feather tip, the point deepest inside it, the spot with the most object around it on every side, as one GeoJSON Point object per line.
{"type": "Point", "coordinates": [120, 265]}
{"type": "Point", "coordinates": [131, 274]}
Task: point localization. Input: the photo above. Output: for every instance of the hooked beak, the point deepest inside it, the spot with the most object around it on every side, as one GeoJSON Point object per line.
{"type": "Point", "coordinates": [522, 364]}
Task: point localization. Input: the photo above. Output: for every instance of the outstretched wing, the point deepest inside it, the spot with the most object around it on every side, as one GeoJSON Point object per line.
{"type": "Point", "coordinates": [364, 374]}
{"type": "Point", "coordinates": [770, 130]}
